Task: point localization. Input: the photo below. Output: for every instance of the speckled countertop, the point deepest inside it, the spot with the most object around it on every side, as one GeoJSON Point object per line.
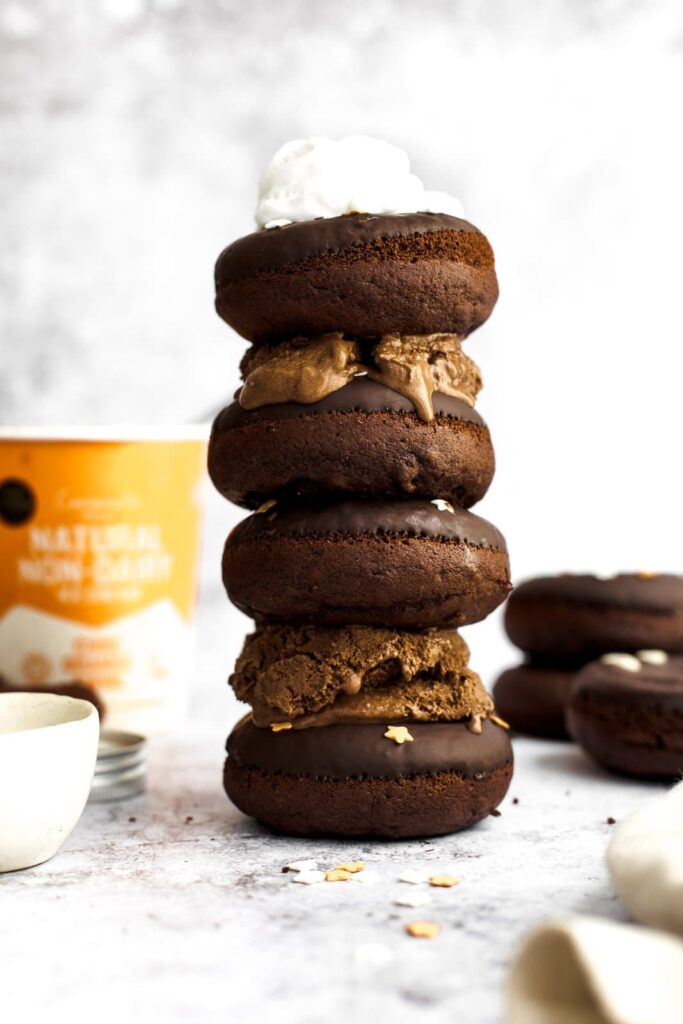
{"type": "Point", "coordinates": [173, 906]}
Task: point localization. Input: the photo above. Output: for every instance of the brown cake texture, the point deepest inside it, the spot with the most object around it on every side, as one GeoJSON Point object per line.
{"type": "Point", "coordinates": [350, 780]}
{"type": "Point", "coordinates": [630, 720]}
{"type": "Point", "coordinates": [532, 699]}
{"type": "Point", "coordinates": [363, 439]}
{"type": "Point", "coordinates": [585, 616]}
{"type": "Point", "coordinates": [364, 275]}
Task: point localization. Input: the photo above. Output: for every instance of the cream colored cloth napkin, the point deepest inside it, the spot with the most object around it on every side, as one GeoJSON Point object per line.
{"type": "Point", "coordinates": [645, 860]}
{"type": "Point", "coordinates": [584, 970]}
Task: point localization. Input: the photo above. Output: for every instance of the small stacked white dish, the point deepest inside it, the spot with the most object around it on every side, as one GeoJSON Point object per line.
{"type": "Point", "coordinates": [48, 747]}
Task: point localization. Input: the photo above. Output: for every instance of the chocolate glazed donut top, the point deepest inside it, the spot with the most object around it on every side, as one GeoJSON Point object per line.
{"type": "Point", "coordinates": [413, 517]}
{"type": "Point", "coordinates": [651, 594]}
{"type": "Point", "coordinates": [360, 395]}
{"type": "Point", "coordinates": [272, 249]}
{"type": "Point", "coordinates": [350, 751]}
{"type": "Point", "coordinates": [654, 686]}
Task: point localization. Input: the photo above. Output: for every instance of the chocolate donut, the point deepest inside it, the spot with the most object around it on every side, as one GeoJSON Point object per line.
{"type": "Point", "coordinates": [630, 722]}
{"type": "Point", "coordinates": [532, 699]}
{"type": "Point", "coordinates": [585, 616]}
{"type": "Point", "coordinates": [411, 563]}
{"type": "Point", "coordinates": [361, 274]}
{"type": "Point", "coordinates": [351, 780]}
{"type": "Point", "coordinates": [363, 439]}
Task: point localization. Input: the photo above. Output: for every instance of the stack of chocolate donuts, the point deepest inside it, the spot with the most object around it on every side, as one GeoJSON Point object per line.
{"type": "Point", "coordinates": [604, 667]}
{"type": "Point", "coordinates": [355, 441]}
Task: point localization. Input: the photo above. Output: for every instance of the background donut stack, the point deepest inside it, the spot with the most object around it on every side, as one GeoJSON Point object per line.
{"type": "Point", "coordinates": [604, 667]}
{"type": "Point", "coordinates": [355, 440]}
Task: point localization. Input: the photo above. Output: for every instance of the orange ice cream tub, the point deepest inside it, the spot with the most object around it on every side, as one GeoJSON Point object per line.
{"type": "Point", "coordinates": [99, 555]}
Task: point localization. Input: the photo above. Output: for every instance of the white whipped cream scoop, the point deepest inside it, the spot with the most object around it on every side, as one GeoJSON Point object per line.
{"type": "Point", "coordinates": [320, 177]}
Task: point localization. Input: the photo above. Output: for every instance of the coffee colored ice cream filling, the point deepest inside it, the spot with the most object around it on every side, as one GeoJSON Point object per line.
{"type": "Point", "coordinates": [306, 370]}
{"type": "Point", "coordinates": [316, 675]}
{"type": "Point", "coordinates": [363, 751]}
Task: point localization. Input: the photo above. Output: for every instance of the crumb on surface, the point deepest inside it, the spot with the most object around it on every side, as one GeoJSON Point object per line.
{"type": "Point", "coordinates": [495, 813]}
{"type": "Point", "coordinates": [611, 820]}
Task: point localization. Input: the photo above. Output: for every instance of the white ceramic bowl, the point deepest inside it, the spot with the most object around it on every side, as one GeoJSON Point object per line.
{"type": "Point", "coordinates": [48, 748]}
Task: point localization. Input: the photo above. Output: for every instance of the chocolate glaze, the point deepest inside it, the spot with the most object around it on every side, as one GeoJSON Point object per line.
{"type": "Point", "coordinates": [359, 395]}
{"type": "Point", "coordinates": [654, 686]}
{"type": "Point", "coordinates": [658, 595]}
{"type": "Point", "coordinates": [350, 751]}
{"type": "Point", "coordinates": [267, 250]}
{"type": "Point", "coordinates": [414, 517]}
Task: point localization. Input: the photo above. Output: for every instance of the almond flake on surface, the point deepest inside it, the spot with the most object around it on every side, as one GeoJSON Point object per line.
{"type": "Point", "coordinates": [474, 724]}
{"type": "Point", "coordinates": [423, 929]}
{"type": "Point", "coordinates": [352, 866]}
{"type": "Point", "coordinates": [414, 876]}
{"type": "Point", "coordinates": [443, 505]}
{"type": "Point", "coordinates": [265, 507]}
{"type": "Point", "coordinates": [417, 899]}
{"type": "Point", "coordinates": [338, 875]}
{"type": "Point", "coordinates": [398, 733]}
{"type": "Point", "coordinates": [301, 865]}
{"type": "Point", "coordinates": [499, 721]}
{"type": "Point", "coordinates": [645, 574]}
{"type": "Point", "coordinates": [280, 726]}
{"type": "Point", "coordinates": [443, 881]}
{"type": "Point", "coordinates": [309, 877]}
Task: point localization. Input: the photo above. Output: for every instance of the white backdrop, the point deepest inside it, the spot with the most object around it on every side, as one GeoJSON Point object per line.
{"type": "Point", "coordinates": [132, 136]}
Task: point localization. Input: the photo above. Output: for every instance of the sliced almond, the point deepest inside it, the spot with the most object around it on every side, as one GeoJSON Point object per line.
{"type": "Point", "coordinates": [338, 875]}
{"type": "Point", "coordinates": [423, 929]}
{"type": "Point", "coordinates": [353, 867]}
{"type": "Point", "coordinates": [443, 881]}
{"type": "Point", "coordinates": [309, 877]}
{"type": "Point", "coordinates": [301, 865]}
{"type": "Point", "coordinates": [414, 876]}
{"type": "Point", "coordinates": [627, 662]}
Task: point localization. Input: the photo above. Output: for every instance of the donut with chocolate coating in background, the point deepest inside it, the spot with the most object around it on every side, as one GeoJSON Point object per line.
{"type": "Point", "coordinates": [582, 617]}
{"type": "Point", "coordinates": [628, 719]}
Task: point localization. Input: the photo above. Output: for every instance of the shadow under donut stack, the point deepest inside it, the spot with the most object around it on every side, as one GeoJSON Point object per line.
{"type": "Point", "coordinates": [355, 439]}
